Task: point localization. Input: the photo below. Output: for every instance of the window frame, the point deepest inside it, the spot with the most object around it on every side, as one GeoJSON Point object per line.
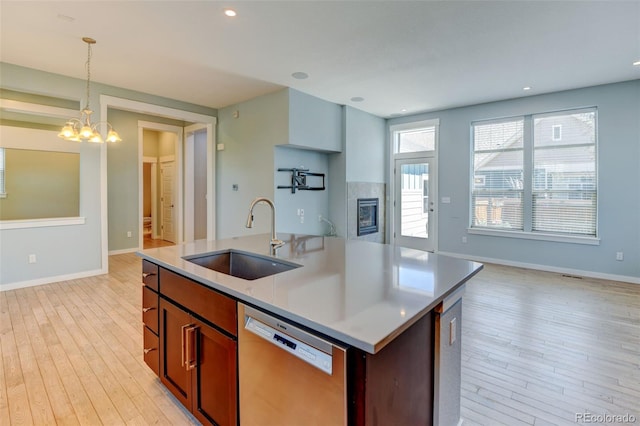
{"type": "Point", "coordinates": [528, 179]}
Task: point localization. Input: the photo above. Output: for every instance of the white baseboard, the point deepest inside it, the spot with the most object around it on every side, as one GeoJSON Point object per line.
{"type": "Point", "coordinates": [49, 280]}
{"type": "Point", "coordinates": [568, 271]}
{"type": "Point", "coordinates": [123, 251]}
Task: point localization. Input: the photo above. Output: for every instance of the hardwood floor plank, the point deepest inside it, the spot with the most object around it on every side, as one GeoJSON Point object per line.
{"type": "Point", "coordinates": [574, 342]}
{"type": "Point", "coordinates": [537, 349]}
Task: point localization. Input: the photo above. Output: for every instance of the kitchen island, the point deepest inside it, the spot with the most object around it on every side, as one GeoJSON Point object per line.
{"type": "Point", "coordinates": [379, 304]}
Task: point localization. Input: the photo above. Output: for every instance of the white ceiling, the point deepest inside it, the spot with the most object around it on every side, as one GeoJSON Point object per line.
{"type": "Point", "coordinates": [398, 55]}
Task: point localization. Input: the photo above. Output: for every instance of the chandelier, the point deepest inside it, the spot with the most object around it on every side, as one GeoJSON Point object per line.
{"type": "Point", "coordinates": [82, 129]}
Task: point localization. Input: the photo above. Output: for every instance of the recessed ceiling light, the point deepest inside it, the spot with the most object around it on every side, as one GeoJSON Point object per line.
{"type": "Point", "coordinates": [357, 99]}
{"type": "Point", "coordinates": [526, 88]}
{"type": "Point", "coordinates": [403, 110]}
{"type": "Point", "coordinates": [66, 17]}
{"type": "Point", "coordinates": [299, 75]}
{"type": "Point", "coordinates": [230, 13]}
{"type": "Point", "coordinates": [636, 63]}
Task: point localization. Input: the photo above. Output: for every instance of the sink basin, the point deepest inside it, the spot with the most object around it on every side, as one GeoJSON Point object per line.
{"type": "Point", "coordinates": [241, 264]}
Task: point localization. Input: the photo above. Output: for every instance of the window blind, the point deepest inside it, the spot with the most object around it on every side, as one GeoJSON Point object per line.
{"type": "Point", "coordinates": [565, 175]}
{"type": "Point", "coordinates": [497, 182]}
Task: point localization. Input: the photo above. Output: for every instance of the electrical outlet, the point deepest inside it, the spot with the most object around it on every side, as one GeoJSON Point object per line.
{"type": "Point", "coordinates": [620, 255]}
{"type": "Point", "coordinates": [301, 219]}
{"type": "Point", "coordinates": [464, 240]}
{"type": "Point", "coordinates": [128, 234]}
{"type": "Point", "coordinates": [32, 258]}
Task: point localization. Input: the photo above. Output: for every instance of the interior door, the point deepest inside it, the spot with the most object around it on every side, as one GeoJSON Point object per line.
{"type": "Point", "coordinates": [167, 170]}
{"type": "Point", "coordinates": [415, 212]}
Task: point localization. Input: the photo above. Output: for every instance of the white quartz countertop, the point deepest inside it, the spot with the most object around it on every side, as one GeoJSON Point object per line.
{"type": "Point", "coordinates": [359, 293]}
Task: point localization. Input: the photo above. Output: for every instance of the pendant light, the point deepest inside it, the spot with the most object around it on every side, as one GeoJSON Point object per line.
{"type": "Point", "coordinates": [82, 129]}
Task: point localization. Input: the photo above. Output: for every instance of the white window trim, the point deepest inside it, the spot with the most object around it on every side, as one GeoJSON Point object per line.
{"type": "Point", "coordinates": [541, 236]}
{"type": "Point", "coordinates": [41, 223]}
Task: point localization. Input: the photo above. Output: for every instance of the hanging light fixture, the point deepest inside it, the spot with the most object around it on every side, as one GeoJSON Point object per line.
{"type": "Point", "coordinates": [82, 129]}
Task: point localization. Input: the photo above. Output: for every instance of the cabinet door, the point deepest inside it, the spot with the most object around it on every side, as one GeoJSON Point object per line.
{"type": "Point", "coordinates": [173, 372]}
{"type": "Point", "coordinates": [214, 381]}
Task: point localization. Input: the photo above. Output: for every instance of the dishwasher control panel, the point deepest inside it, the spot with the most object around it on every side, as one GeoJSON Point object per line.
{"type": "Point", "coordinates": [294, 346]}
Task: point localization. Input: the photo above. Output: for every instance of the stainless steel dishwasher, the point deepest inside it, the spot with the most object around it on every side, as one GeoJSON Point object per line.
{"type": "Point", "coordinates": [288, 376]}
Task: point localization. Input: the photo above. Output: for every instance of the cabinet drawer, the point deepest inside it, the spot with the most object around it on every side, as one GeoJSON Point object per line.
{"type": "Point", "coordinates": [151, 352]}
{"type": "Point", "coordinates": [150, 308]}
{"type": "Point", "coordinates": [201, 300]}
{"type": "Point", "coordinates": [150, 274]}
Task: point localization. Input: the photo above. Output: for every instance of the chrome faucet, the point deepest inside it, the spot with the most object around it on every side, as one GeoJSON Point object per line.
{"type": "Point", "coordinates": [275, 242]}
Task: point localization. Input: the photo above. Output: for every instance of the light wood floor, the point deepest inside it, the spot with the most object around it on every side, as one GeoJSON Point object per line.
{"type": "Point", "coordinates": [149, 242]}
{"type": "Point", "coordinates": [538, 348]}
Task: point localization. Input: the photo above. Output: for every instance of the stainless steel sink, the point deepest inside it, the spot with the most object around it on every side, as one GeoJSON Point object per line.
{"type": "Point", "coordinates": [241, 264]}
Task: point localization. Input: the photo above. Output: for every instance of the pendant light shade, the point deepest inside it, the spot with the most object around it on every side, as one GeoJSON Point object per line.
{"type": "Point", "coordinates": [82, 129]}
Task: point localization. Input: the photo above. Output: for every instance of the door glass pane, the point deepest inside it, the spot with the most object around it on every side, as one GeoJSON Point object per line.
{"type": "Point", "coordinates": [414, 200]}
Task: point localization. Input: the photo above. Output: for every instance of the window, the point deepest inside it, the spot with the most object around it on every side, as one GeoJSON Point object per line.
{"type": "Point", "coordinates": [2, 190]}
{"type": "Point", "coordinates": [554, 191]}
{"type": "Point", "coordinates": [416, 140]}
{"type": "Point", "coordinates": [564, 178]}
{"type": "Point", "coordinates": [497, 194]}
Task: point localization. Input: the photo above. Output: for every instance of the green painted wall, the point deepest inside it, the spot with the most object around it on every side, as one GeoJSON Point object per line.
{"type": "Point", "coordinates": [40, 184]}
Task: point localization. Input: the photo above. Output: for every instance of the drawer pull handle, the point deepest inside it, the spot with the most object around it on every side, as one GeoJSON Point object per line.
{"type": "Point", "coordinates": [147, 274]}
{"type": "Point", "coordinates": [145, 310]}
{"type": "Point", "coordinates": [146, 351]}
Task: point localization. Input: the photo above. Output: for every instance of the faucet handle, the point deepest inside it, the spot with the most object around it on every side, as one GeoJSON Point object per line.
{"type": "Point", "coordinates": [275, 243]}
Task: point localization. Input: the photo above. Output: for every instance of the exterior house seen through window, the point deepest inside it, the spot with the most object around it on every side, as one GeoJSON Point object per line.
{"type": "Point", "coordinates": [539, 181]}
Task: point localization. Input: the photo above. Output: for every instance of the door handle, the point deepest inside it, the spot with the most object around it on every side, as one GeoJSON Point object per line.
{"type": "Point", "coordinates": [145, 310]}
{"type": "Point", "coordinates": [147, 274]}
{"type": "Point", "coordinates": [191, 359]}
{"type": "Point", "coordinates": [183, 353]}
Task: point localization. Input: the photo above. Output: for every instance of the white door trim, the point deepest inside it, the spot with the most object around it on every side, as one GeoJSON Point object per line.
{"type": "Point", "coordinates": [160, 127]}
{"type": "Point", "coordinates": [211, 179]}
{"type": "Point", "coordinates": [107, 102]}
{"type": "Point", "coordinates": [393, 129]}
{"type": "Point", "coordinates": [429, 243]}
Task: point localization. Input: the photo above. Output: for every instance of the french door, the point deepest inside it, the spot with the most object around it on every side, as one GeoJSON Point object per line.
{"type": "Point", "coordinates": [415, 203]}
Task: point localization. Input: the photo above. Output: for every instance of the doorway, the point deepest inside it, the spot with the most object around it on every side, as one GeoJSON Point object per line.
{"type": "Point", "coordinates": [413, 190]}
{"type": "Point", "coordinates": [161, 153]}
{"type": "Point", "coordinates": [197, 221]}
{"type": "Point", "coordinates": [415, 203]}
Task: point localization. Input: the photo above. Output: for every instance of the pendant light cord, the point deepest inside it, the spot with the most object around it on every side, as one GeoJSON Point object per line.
{"type": "Point", "coordinates": [88, 73]}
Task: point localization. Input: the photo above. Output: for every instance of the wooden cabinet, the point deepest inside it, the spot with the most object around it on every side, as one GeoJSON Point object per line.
{"type": "Point", "coordinates": [198, 365]}
{"type": "Point", "coordinates": [190, 334]}
{"type": "Point", "coordinates": [150, 315]}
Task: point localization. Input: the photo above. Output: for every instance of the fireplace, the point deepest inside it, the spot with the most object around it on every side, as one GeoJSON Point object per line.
{"type": "Point", "coordinates": [367, 216]}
